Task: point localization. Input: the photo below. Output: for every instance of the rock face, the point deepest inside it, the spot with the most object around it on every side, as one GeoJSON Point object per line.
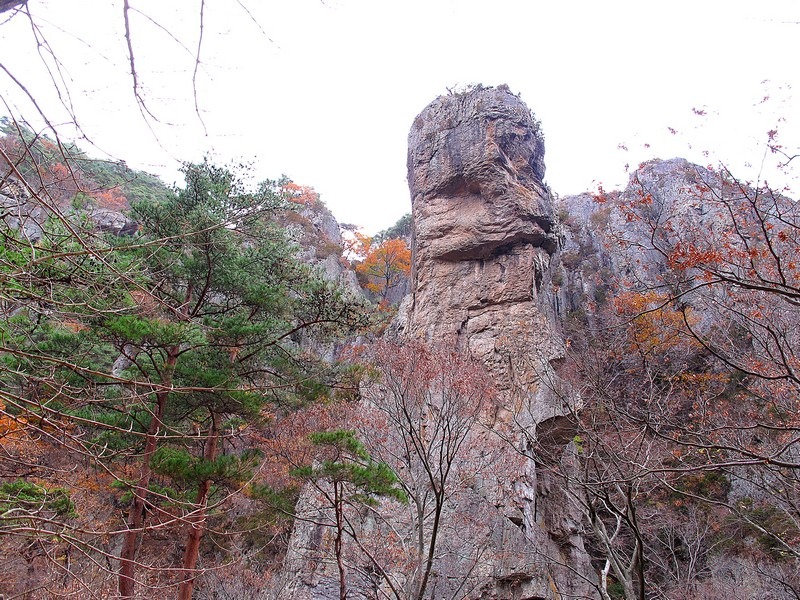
{"type": "Point", "coordinates": [485, 244]}
{"type": "Point", "coordinates": [19, 209]}
{"type": "Point", "coordinates": [319, 237]}
{"type": "Point", "coordinates": [475, 169]}
{"type": "Point", "coordinates": [591, 228]}
{"type": "Point", "coordinates": [484, 228]}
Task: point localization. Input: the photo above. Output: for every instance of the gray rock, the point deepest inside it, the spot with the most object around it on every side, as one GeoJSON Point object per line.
{"type": "Point", "coordinates": [485, 236]}
{"type": "Point", "coordinates": [112, 221]}
{"type": "Point", "coordinates": [19, 210]}
{"type": "Point", "coordinates": [484, 239]}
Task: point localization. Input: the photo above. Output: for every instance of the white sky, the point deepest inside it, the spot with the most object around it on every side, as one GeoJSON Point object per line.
{"type": "Point", "coordinates": [325, 92]}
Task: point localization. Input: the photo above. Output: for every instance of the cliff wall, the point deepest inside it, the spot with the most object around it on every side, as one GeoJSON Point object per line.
{"type": "Point", "coordinates": [485, 245]}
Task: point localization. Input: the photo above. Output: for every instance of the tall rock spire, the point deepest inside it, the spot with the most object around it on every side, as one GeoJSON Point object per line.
{"type": "Point", "coordinates": [485, 235]}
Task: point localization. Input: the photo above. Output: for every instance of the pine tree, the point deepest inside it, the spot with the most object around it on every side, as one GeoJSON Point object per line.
{"type": "Point", "coordinates": [345, 474]}
{"type": "Point", "coordinates": [161, 348]}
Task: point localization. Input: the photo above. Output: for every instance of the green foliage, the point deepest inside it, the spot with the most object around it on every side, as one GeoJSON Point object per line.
{"type": "Point", "coordinates": [21, 498]}
{"type": "Point", "coordinates": [228, 290]}
{"type": "Point", "coordinates": [81, 201]}
{"type": "Point", "coordinates": [711, 485]}
{"type": "Point", "coordinates": [767, 525]}
{"type": "Point", "coordinates": [166, 494]}
{"type": "Point", "coordinates": [342, 440]}
{"type": "Point", "coordinates": [401, 229]}
{"type": "Point", "coordinates": [111, 426]}
{"type": "Point", "coordinates": [183, 467]}
{"type": "Point", "coordinates": [350, 465]}
{"type": "Point", "coordinates": [149, 331]}
{"type": "Point", "coordinates": [279, 501]}
{"type": "Point", "coordinates": [65, 172]}
{"type": "Point", "coordinates": [134, 185]}
{"type": "Point", "coordinates": [616, 590]}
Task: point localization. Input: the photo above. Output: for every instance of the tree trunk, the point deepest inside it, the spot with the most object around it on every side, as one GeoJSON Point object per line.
{"type": "Point", "coordinates": [437, 516]}
{"type": "Point", "coordinates": [338, 542]}
{"type": "Point", "coordinates": [127, 555]}
{"type": "Point", "coordinates": [197, 520]}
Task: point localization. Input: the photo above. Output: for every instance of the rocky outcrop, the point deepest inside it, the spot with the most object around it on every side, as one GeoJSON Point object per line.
{"type": "Point", "coordinates": [485, 243]}
{"type": "Point", "coordinates": [112, 221]}
{"type": "Point", "coordinates": [320, 242]}
{"type": "Point", "coordinates": [475, 169]}
{"type": "Point", "coordinates": [21, 210]}
{"type": "Point", "coordinates": [592, 259]}
{"type": "Point", "coordinates": [484, 229]}
{"type": "Point", "coordinates": [18, 211]}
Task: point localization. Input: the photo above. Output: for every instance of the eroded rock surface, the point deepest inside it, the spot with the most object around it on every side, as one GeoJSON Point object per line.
{"type": "Point", "coordinates": [486, 237]}
{"type": "Point", "coordinates": [484, 228]}
{"type": "Point", "coordinates": [485, 243]}
{"type": "Point", "coordinates": [18, 211]}
{"type": "Point", "coordinates": [475, 169]}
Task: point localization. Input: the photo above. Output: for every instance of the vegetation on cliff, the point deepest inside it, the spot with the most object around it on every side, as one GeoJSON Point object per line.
{"type": "Point", "coordinates": [685, 364]}
{"type": "Point", "coordinates": [136, 369]}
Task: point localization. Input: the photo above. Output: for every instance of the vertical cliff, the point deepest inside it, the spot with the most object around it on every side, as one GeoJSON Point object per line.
{"type": "Point", "coordinates": [485, 244]}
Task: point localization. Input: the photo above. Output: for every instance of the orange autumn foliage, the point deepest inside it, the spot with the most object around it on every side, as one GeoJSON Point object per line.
{"type": "Point", "coordinates": [385, 266]}
{"type": "Point", "coordinates": [8, 424]}
{"type": "Point", "coordinates": [112, 199]}
{"type": "Point", "coordinates": [654, 323]}
{"type": "Point", "coordinates": [300, 194]}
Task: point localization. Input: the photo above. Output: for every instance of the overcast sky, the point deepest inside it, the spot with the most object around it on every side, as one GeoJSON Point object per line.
{"type": "Point", "coordinates": [325, 92]}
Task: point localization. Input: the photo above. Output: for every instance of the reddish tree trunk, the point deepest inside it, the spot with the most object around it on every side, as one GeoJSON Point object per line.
{"type": "Point", "coordinates": [127, 555]}
{"type": "Point", "coordinates": [197, 520]}
{"type": "Point", "coordinates": [338, 542]}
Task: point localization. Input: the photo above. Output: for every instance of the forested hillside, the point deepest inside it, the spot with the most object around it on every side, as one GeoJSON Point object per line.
{"type": "Point", "coordinates": [143, 367]}
{"type": "Point", "coordinates": [214, 391]}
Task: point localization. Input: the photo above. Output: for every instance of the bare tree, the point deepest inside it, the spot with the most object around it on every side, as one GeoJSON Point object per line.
{"type": "Point", "coordinates": [432, 399]}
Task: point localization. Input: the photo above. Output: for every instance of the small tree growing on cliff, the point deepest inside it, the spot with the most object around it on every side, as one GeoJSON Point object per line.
{"type": "Point", "coordinates": [386, 265]}
{"type": "Point", "coordinates": [430, 398]}
{"type": "Point", "coordinates": [344, 474]}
